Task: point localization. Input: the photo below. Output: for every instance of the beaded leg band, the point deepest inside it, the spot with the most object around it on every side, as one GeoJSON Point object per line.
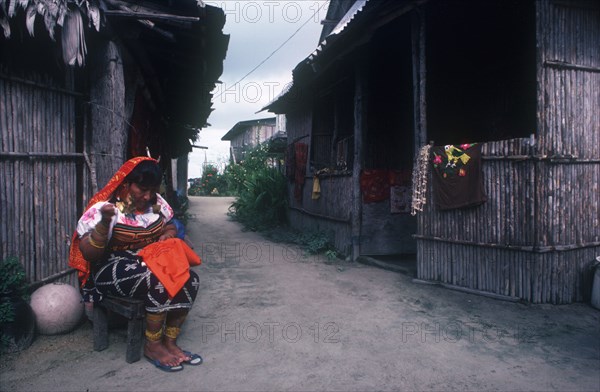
{"type": "Point", "coordinates": [157, 319]}
{"type": "Point", "coordinates": [154, 336]}
{"type": "Point", "coordinates": [172, 332]}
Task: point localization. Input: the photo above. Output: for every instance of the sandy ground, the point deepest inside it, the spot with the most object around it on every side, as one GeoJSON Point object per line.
{"type": "Point", "coordinates": [269, 318]}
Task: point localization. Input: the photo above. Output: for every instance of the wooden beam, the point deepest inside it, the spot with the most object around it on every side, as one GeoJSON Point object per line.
{"type": "Point", "coordinates": [41, 155]}
{"type": "Point", "coordinates": [40, 85]}
{"type": "Point", "coordinates": [151, 16]}
{"type": "Point", "coordinates": [320, 216]}
{"type": "Point", "coordinates": [563, 65]}
{"type": "Point", "coordinates": [521, 248]}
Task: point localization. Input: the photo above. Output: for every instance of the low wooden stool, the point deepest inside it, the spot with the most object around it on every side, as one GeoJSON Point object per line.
{"type": "Point", "coordinates": [134, 311]}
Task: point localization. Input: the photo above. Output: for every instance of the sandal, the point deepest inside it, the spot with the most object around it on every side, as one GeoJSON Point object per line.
{"type": "Point", "coordinates": [194, 360]}
{"type": "Point", "coordinates": [164, 367]}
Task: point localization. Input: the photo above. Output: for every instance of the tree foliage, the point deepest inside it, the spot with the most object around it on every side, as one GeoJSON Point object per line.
{"type": "Point", "coordinates": [210, 184]}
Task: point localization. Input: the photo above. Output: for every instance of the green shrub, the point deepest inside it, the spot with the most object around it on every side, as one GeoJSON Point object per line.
{"type": "Point", "coordinates": [311, 241]}
{"type": "Point", "coordinates": [262, 201]}
{"type": "Point", "coordinates": [12, 278]}
{"type": "Point", "coordinates": [234, 176]}
{"type": "Point", "coordinates": [13, 284]}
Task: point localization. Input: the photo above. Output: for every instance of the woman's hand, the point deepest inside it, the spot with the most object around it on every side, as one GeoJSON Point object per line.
{"type": "Point", "coordinates": [94, 243]}
{"type": "Point", "coordinates": [108, 211]}
{"type": "Point", "coordinates": [170, 231]}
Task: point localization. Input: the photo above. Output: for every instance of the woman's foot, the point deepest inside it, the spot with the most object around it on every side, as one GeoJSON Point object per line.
{"type": "Point", "coordinates": [173, 348]}
{"type": "Point", "coordinates": [159, 352]}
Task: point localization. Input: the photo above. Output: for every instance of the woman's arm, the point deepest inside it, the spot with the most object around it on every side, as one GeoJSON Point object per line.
{"type": "Point", "coordinates": [93, 244]}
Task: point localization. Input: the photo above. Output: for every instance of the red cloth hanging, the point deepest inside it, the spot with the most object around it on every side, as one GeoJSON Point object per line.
{"type": "Point", "coordinates": [301, 155]}
{"type": "Point", "coordinates": [375, 185]}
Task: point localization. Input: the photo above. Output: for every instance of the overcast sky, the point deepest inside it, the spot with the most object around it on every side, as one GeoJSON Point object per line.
{"type": "Point", "coordinates": [256, 29]}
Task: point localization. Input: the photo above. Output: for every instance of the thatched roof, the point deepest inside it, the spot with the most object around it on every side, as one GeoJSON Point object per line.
{"type": "Point", "coordinates": [68, 16]}
{"type": "Point", "coordinates": [178, 45]}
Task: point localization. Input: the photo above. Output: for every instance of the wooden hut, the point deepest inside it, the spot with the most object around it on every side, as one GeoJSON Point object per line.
{"type": "Point", "coordinates": [248, 134]}
{"type": "Point", "coordinates": [520, 78]}
{"type": "Point", "coordinates": [83, 87]}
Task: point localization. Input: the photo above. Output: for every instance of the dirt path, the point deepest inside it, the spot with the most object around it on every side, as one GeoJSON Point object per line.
{"type": "Point", "coordinates": [269, 319]}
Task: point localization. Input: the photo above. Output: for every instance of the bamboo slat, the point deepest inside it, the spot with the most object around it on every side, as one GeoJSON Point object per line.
{"type": "Point", "coordinates": [37, 173]}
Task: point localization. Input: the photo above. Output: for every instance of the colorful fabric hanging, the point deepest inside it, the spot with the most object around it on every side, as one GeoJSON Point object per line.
{"type": "Point", "coordinates": [457, 179]}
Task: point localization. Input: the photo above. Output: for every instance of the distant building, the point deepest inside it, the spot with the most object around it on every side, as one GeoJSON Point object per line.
{"type": "Point", "coordinates": [246, 135]}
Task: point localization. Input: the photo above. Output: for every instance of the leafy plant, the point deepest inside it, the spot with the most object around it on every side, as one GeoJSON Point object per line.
{"type": "Point", "coordinates": [311, 241]}
{"type": "Point", "coordinates": [331, 254]}
{"type": "Point", "coordinates": [254, 161]}
{"type": "Point", "coordinates": [262, 203]}
{"type": "Point", "coordinates": [315, 241]}
{"type": "Point", "coordinates": [13, 285]}
{"type": "Point", "coordinates": [7, 312]}
{"type": "Point", "coordinates": [12, 278]}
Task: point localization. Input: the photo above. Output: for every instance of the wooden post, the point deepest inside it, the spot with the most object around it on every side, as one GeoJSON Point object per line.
{"type": "Point", "coordinates": [419, 78]}
{"type": "Point", "coordinates": [360, 121]}
{"type": "Point", "coordinates": [107, 111]}
{"type": "Point", "coordinates": [182, 175]}
{"type": "Point", "coordinates": [419, 104]}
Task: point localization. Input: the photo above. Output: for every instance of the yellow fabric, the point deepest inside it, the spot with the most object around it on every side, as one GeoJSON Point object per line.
{"type": "Point", "coordinates": [316, 191]}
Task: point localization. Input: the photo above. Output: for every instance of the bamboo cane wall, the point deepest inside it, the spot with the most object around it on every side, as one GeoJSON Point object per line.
{"type": "Point", "coordinates": [331, 212]}
{"type": "Point", "coordinates": [38, 173]}
{"type": "Point", "coordinates": [538, 234]}
{"type": "Point", "coordinates": [569, 119]}
{"type": "Point", "coordinates": [503, 247]}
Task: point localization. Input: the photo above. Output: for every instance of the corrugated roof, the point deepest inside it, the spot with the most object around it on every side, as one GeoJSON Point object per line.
{"type": "Point", "coordinates": [243, 125]}
{"type": "Point", "coordinates": [359, 11]}
{"type": "Point", "coordinates": [343, 23]}
{"type": "Point", "coordinates": [355, 9]}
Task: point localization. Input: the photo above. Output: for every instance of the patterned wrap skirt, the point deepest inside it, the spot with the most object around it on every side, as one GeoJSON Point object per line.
{"type": "Point", "coordinates": [124, 275]}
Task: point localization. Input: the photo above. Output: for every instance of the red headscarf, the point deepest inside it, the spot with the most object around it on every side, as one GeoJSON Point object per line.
{"type": "Point", "coordinates": [76, 259]}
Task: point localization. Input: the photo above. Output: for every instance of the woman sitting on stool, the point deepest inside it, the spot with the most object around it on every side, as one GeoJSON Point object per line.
{"type": "Point", "coordinates": [120, 220]}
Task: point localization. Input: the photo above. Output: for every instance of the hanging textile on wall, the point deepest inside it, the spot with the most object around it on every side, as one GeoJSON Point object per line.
{"type": "Point", "coordinates": [290, 162]}
{"type": "Point", "coordinates": [375, 185]}
{"type": "Point", "coordinates": [381, 184]}
{"type": "Point", "coordinates": [301, 155]}
{"type": "Point", "coordinates": [457, 176]}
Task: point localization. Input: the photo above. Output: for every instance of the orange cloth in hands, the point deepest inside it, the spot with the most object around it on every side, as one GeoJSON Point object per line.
{"type": "Point", "coordinates": [170, 261]}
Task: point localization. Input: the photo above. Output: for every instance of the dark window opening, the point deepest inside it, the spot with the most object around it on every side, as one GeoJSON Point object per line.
{"type": "Point", "coordinates": [333, 127]}
{"type": "Point", "coordinates": [481, 79]}
{"type": "Point", "coordinates": [390, 118]}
